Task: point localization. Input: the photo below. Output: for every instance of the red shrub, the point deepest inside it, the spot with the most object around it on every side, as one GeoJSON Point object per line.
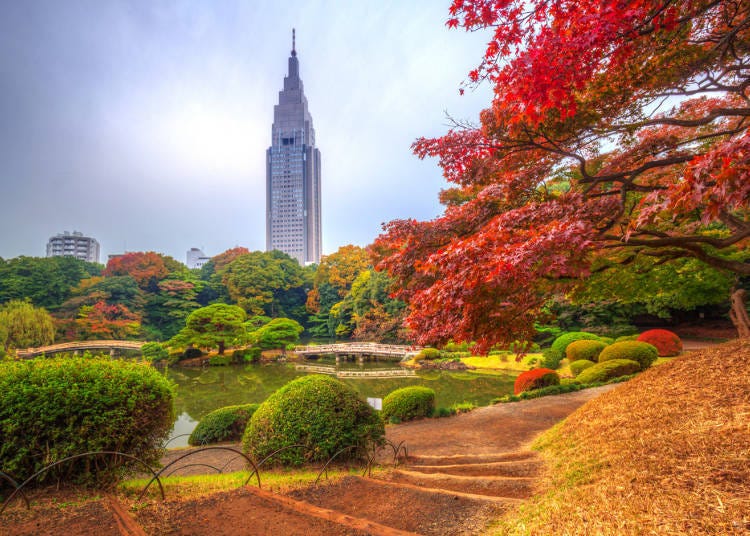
{"type": "Point", "coordinates": [668, 343]}
{"type": "Point", "coordinates": [534, 379]}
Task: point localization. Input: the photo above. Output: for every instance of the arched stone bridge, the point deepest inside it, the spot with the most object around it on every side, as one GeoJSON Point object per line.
{"type": "Point", "coordinates": [360, 350]}
{"type": "Point", "coordinates": [78, 346]}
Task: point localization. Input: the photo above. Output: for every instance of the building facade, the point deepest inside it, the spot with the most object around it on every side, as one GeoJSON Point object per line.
{"type": "Point", "coordinates": [73, 245]}
{"type": "Point", "coordinates": [196, 258]}
{"type": "Point", "coordinates": [293, 220]}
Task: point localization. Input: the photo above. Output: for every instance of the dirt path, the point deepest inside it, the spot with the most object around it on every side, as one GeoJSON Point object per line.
{"type": "Point", "coordinates": [462, 472]}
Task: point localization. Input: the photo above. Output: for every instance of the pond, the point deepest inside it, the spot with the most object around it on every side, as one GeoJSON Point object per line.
{"type": "Point", "coordinates": [201, 390]}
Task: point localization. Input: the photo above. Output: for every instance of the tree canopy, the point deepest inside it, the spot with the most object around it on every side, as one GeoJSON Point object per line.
{"type": "Point", "coordinates": [215, 326]}
{"type": "Point", "coordinates": [614, 128]}
{"type": "Point", "coordinates": [22, 325]}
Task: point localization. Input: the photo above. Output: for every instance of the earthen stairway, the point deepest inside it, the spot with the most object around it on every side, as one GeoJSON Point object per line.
{"type": "Point", "coordinates": [435, 495]}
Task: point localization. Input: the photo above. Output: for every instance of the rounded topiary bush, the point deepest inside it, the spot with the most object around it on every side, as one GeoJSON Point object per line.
{"type": "Point", "coordinates": [584, 349]}
{"type": "Point", "coordinates": [607, 370]}
{"type": "Point", "coordinates": [223, 424]}
{"type": "Point", "coordinates": [154, 351]}
{"type": "Point", "coordinates": [51, 409]}
{"type": "Point", "coordinates": [428, 354]}
{"type": "Point", "coordinates": [668, 344]}
{"type": "Point", "coordinates": [561, 343]}
{"type": "Point", "coordinates": [576, 367]}
{"type": "Point", "coordinates": [409, 403]}
{"type": "Point", "coordinates": [535, 379]}
{"type": "Point", "coordinates": [319, 412]}
{"type": "Point", "coordinates": [642, 353]}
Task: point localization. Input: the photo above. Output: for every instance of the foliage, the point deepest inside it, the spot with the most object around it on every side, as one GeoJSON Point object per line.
{"type": "Point", "coordinates": [154, 352]}
{"type": "Point", "coordinates": [607, 370]}
{"type": "Point", "coordinates": [147, 268]}
{"type": "Point", "coordinates": [54, 408]}
{"type": "Point", "coordinates": [559, 389]}
{"type": "Point", "coordinates": [319, 412]}
{"type": "Point", "coordinates": [427, 353]}
{"type": "Point", "coordinates": [551, 358]}
{"type": "Point", "coordinates": [46, 281]}
{"type": "Point", "coordinates": [561, 343]}
{"type": "Point", "coordinates": [278, 333]}
{"type": "Point", "coordinates": [667, 343]}
{"type": "Point", "coordinates": [615, 129]}
{"type": "Point", "coordinates": [105, 321]}
{"type": "Point", "coordinates": [267, 283]}
{"type": "Point", "coordinates": [409, 403]}
{"type": "Point", "coordinates": [584, 349]}
{"type": "Point", "coordinates": [214, 326]}
{"type": "Point", "coordinates": [192, 353]}
{"type": "Point", "coordinates": [219, 361]}
{"type": "Point", "coordinates": [642, 353]}
{"type": "Point", "coordinates": [535, 379]}
{"type": "Point", "coordinates": [22, 325]}
{"type": "Point", "coordinates": [223, 424]}
{"type": "Point", "coordinates": [578, 366]}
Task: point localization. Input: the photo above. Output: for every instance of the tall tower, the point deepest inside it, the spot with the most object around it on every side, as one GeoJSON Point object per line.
{"type": "Point", "coordinates": [293, 174]}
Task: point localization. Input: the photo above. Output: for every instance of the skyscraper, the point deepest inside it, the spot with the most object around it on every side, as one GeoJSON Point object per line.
{"type": "Point", "coordinates": [293, 174]}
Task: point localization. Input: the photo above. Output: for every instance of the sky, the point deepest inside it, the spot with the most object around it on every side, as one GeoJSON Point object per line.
{"type": "Point", "coordinates": [144, 123]}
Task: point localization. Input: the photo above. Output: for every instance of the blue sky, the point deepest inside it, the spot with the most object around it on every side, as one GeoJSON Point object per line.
{"type": "Point", "coordinates": [145, 123]}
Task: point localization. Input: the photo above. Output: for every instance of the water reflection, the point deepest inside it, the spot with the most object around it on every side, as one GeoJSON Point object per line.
{"type": "Point", "coordinates": [200, 391]}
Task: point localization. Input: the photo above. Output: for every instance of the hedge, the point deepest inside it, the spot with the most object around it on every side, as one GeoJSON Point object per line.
{"type": "Point", "coordinates": [409, 403]}
{"type": "Point", "coordinates": [667, 343]}
{"type": "Point", "coordinates": [321, 413]}
{"type": "Point", "coordinates": [534, 379]}
{"type": "Point", "coordinates": [223, 424]}
{"type": "Point", "coordinates": [576, 367]}
{"type": "Point", "coordinates": [561, 343]}
{"type": "Point", "coordinates": [643, 353]}
{"type": "Point", "coordinates": [607, 370]}
{"type": "Point", "coordinates": [51, 409]}
{"type": "Point", "coordinates": [428, 354]}
{"type": "Point", "coordinates": [584, 349]}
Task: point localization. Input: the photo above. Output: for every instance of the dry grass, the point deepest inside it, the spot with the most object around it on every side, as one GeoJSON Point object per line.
{"type": "Point", "coordinates": [665, 453]}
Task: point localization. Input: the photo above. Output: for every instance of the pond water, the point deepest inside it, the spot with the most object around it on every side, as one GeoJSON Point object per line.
{"type": "Point", "coordinates": [202, 390]}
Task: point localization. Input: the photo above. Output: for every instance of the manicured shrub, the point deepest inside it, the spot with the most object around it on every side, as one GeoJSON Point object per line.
{"type": "Point", "coordinates": [551, 358]}
{"type": "Point", "coordinates": [191, 353]}
{"type": "Point", "coordinates": [409, 403]}
{"type": "Point", "coordinates": [451, 346]}
{"type": "Point", "coordinates": [668, 344]}
{"type": "Point", "coordinates": [154, 352]}
{"type": "Point", "coordinates": [561, 343]}
{"type": "Point", "coordinates": [584, 349]}
{"type": "Point", "coordinates": [641, 352]}
{"type": "Point", "coordinates": [534, 379]}
{"type": "Point", "coordinates": [219, 360]}
{"type": "Point", "coordinates": [224, 424]}
{"type": "Point", "coordinates": [627, 338]}
{"type": "Point", "coordinates": [607, 370]}
{"type": "Point", "coordinates": [576, 367]}
{"type": "Point", "coordinates": [319, 412]}
{"type": "Point", "coordinates": [427, 353]}
{"type": "Point", "coordinates": [51, 409]}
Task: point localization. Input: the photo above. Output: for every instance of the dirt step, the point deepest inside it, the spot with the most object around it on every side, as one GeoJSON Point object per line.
{"type": "Point", "coordinates": [407, 507]}
{"type": "Point", "coordinates": [511, 456]}
{"type": "Point", "coordinates": [496, 486]}
{"type": "Point", "coordinates": [527, 468]}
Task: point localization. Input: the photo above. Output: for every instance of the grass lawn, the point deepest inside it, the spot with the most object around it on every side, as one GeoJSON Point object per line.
{"type": "Point", "coordinates": [502, 362]}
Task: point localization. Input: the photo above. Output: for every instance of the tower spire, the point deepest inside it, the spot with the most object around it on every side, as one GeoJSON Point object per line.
{"type": "Point", "coordinates": [294, 48]}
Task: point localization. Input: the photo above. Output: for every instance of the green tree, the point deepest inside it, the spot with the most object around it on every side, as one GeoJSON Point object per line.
{"type": "Point", "coordinates": [278, 333]}
{"type": "Point", "coordinates": [214, 326]}
{"type": "Point", "coordinates": [267, 283]}
{"type": "Point", "coordinates": [47, 282]}
{"type": "Point", "coordinates": [22, 325]}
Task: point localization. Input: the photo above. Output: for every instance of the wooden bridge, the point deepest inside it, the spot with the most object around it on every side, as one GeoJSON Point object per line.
{"type": "Point", "coordinates": [365, 374]}
{"type": "Point", "coordinates": [78, 346]}
{"type": "Point", "coordinates": [360, 350]}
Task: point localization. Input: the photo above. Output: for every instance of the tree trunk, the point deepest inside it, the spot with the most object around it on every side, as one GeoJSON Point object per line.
{"type": "Point", "coordinates": [738, 313]}
{"type": "Point", "coordinates": [221, 347]}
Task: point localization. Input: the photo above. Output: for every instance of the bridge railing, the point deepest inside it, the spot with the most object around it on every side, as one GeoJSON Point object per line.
{"type": "Point", "coordinates": [80, 345]}
{"type": "Point", "coordinates": [355, 348]}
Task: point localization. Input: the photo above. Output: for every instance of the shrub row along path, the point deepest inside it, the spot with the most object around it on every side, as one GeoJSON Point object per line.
{"type": "Point", "coordinates": [461, 473]}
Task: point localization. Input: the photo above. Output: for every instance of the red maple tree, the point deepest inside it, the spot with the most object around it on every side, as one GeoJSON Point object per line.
{"type": "Point", "coordinates": [616, 128]}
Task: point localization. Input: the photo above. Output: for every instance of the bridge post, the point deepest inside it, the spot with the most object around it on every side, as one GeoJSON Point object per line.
{"type": "Point", "coordinates": [361, 359]}
{"type": "Point", "coordinates": [112, 353]}
{"type": "Point", "coordinates": [77, 353]}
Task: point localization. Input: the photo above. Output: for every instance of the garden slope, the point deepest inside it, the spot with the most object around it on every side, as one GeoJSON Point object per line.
{"type": "Point", "coordinates": [668, 452]}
